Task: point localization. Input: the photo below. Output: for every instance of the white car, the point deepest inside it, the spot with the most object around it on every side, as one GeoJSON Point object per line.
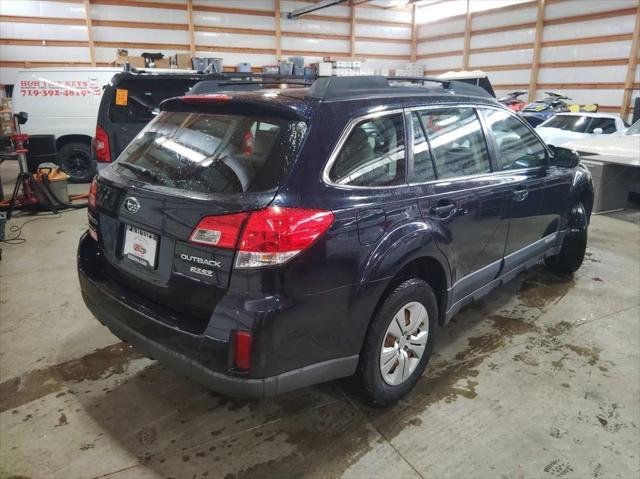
{"type": "Point", "coordinates": [565, 127]}
{"type": "Point", "coordinates": [621, 149]}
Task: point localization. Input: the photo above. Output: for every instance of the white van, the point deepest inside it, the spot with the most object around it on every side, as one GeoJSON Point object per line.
{"type": "Point", "coordinates": [64, 102]}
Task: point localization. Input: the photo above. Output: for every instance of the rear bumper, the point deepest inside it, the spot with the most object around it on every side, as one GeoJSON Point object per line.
{"type": "Point", "coordinates": [184, 352]}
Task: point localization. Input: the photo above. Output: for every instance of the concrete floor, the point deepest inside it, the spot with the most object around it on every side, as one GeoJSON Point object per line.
{"type": "Point", "coordinates": [539, 380]}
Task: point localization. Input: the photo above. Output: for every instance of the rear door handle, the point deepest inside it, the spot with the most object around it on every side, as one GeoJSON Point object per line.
{"type": "Point", "coordinates": [443, 212]}
{"type": "Point", "coordinates": [520, 195]}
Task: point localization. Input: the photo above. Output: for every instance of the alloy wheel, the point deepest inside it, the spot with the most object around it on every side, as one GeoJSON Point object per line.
{"type": "Point", "coordinates": [404, 343]}
{"type": "Point", "coordinates": [77, 163]}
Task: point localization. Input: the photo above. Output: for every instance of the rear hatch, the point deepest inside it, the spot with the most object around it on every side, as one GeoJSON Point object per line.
{"type": "Point", "coordinates": [183, 169]}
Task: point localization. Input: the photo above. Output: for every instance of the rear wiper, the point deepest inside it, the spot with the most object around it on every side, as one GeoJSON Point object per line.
{"type": "Point", "coordinates": [141, 170]}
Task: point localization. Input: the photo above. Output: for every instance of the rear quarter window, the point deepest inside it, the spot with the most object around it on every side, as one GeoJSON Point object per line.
{"type": "Point", "coordinates": [372, 155]}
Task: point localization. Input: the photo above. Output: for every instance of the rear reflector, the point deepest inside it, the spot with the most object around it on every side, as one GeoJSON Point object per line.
{"type": "Point", "coordinates": [221, 231]}
{"type": "Point", "coordinates": [101, 145]}
{"type": "Point", "coordinates": [242, 359]}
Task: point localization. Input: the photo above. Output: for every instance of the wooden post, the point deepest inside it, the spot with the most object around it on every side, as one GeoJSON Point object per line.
{"type": "Point", "coordinates": [467, 39]}
{"type": "Point", "coordinates": [278, 14]}
{"type": "Point", "coordinates": [414, 34]}
{"type": "Point", "coordinates": [192, 35]}
{"type": "Point", "coordinates": [352, 38]}
{"type": "Point", "coordinates": [92, 49]}
{"type": "Point", "coordinates": [537, 46]}
{"type": "Point", "coordinates": [631, 69]}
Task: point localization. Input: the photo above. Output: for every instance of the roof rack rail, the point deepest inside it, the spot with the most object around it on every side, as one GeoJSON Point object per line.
{"type": "Point", "coordinates": [335, 88]}
{"type": "Point", "coordinates": [444, 82]}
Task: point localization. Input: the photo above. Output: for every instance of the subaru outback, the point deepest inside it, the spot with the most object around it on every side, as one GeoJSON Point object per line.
{"type": "Point", "coordinates": [269, 240]}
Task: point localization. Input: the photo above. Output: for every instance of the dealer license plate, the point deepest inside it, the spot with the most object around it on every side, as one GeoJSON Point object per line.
{"type": "Point", "coordinates": [140, 246]}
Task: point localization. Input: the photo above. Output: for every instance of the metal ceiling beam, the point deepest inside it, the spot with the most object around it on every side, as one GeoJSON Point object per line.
{"type": "Point", "coordinates": [312, 8]}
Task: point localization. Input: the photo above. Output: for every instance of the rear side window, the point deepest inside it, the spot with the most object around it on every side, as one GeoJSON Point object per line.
{"type": "Point", "coordinates": [457, 142]}
{"type": "Point", "coordinates": [422, 166]}
{"type": "Point", "coordinates": [517, 146]}
{"type": "Point", "coordinates": [568, 122]}
{"type": "Point", "coordinates": [138, 101]}
{"type": "Point", "coordinates": [608, 125]}
{"type": "Point", "coordinates": [213, 153]}
{"type": "Point", "coordinates": [373, 154]}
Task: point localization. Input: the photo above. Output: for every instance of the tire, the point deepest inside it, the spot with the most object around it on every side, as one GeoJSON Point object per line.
{"type": "Point", "coordinates": [380, 384]}
{"type": "Point", "coordinates": [574, 246]}
{"type": "Point", "coordinates": [75, 158]}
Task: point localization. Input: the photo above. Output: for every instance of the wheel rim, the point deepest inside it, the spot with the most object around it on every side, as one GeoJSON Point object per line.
{"type": "Point", "coordinates": [404, 343]}
{"type": "Point", "coordinates": [78, 162]}
{"type": "Point", "coordinates": [577, 220]}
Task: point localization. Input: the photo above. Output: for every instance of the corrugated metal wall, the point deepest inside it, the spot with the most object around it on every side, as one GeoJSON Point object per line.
{"type": "Point", "coordinates": [585, 48]}
{"type": "Point", "coordinates": [585, 45]}
{"type": "Point", "coordinates": [55, 33]}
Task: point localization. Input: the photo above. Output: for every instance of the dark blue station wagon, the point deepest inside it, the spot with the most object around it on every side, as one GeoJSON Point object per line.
{"type": "Point", "coordinates": [263, 241]}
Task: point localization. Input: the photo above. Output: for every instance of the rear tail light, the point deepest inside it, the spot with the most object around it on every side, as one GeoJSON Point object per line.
{"type": "Point", "coordinates": [221, 231]}
{"type": "Point", "coordinates": [101, 145]}
{"type": "Point", "coordinates": [93, 191]}
{"type": "Point", "coordinates": [269, 237]}
{"type": "Point", "coordinates": [93, 223]}
{"type": "Point", "coordinates": [274, 235]}
{"type": "Point", "coordinates": [242, 347]}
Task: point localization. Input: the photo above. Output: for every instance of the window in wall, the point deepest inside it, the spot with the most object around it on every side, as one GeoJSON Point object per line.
{"type": "Point", "coordinates": [517, 146]}
{"type": "Point", "coordinates": [457, 142]}
{"type": "Point", "coordinates": [373, 154]}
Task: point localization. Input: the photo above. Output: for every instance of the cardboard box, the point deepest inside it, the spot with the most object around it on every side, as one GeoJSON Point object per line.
{"type": "Point", "coordinates": [182, 61]}
{"type": "Point", "coordinates": [162, 63]}
{"type": "Point", "coordinates": [323, 69]}
{"type": "Point", "coordinates": [135, 62]}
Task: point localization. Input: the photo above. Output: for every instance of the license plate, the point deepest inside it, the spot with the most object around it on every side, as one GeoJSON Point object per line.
{"type": "Point", "coordinates": [140, 246]}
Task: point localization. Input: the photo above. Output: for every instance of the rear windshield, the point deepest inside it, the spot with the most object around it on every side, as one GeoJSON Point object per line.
{"type": "Point", "coordinates": [138, 101]}
{"type": "Point", "coordinates": [213, 153]}
{"type": "Point", "coordinates": [568, 122]}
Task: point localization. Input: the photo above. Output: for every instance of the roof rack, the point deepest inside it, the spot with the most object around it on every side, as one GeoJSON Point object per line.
{"type": "Point", "coordinates": [337, 88]}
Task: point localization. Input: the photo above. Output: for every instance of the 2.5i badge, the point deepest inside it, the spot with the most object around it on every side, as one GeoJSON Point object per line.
{"type": "Point", "coordinates": [201, 271]}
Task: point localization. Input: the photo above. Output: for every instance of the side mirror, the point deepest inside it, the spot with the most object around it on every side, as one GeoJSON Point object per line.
{"type": "Point", "coordinates": [565, 157]}
{"type": "Point", "coordinates": [597, 131]}
{"type": "Point", "coordinates": [22, 117]}
{"type": "Point", "coordinates": [553, 149]}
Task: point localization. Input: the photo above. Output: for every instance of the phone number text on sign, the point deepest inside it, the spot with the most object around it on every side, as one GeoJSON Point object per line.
{"type": "Point", "coordinates": [54, 93]}
{"type": "Point", "coordinates": [61, 88]}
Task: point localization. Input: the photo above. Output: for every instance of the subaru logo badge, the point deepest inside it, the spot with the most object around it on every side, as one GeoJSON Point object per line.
{"type": "Point", "coordinates": [132, 204]}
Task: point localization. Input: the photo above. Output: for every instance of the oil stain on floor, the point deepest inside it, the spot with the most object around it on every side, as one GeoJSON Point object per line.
{"type": "Point", "coordinates": [33, 385]}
